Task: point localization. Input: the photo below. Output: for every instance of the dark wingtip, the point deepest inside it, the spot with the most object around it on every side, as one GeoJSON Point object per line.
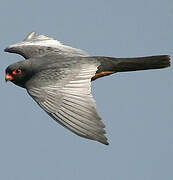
{"type": "Point", "coordinates": [10, 50]}
{"type": "Point", "coordinates": [6, 49]}
{"type": "Point", "coordinates": [106, 143]}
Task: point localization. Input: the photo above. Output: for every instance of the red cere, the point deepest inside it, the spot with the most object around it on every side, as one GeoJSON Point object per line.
{"type": "Point", "coordinates": [9, 77]}
{"type": "Point", "coordinates": [17, 71]}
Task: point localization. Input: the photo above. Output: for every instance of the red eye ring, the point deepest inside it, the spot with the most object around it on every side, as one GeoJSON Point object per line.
{"type": "Point", "coordinates": [17, 71]}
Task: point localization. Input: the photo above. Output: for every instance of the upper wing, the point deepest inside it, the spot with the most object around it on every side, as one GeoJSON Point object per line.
{"type": "Point", "coordinates": [70, 103]}
{"type": "Point", "coordinates": [34, 46]}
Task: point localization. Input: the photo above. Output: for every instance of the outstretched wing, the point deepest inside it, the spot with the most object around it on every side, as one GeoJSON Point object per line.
{"type": "Point", "coordinates": [70, 103]}
{"type": "Point", "coordinates": [34, 46]}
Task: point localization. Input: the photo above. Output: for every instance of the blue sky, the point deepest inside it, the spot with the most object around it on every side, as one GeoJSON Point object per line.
{"type": "Point", "coordinates": [137, 107]}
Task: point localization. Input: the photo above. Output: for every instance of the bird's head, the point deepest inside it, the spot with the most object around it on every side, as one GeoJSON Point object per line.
{"type": "Point", "coordinates": [19, 73]}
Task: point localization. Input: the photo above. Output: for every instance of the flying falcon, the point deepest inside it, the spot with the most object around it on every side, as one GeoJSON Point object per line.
{"type": "Point", "coordinates": [58, 78]}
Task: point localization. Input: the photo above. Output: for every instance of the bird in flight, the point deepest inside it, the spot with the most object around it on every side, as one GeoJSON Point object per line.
{"type": "Point", "coordinates": [58, 78]}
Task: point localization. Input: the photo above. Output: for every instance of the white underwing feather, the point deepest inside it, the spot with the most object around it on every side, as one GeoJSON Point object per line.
{"type": "Point", "coordinates": [72, 104]}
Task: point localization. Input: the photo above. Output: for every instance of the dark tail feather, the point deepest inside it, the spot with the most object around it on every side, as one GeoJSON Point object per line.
{"type": "Point", "coordinates": [133, 64]}
{"type": "Point", "coordinates": [143, 63]}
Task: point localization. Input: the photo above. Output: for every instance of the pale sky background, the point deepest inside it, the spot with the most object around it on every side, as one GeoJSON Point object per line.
{"type": "Point", "coordinates": [137, 107]}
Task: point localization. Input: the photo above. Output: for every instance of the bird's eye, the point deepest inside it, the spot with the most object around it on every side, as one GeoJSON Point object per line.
{"type": "Point", "coordinates": [17, 71]}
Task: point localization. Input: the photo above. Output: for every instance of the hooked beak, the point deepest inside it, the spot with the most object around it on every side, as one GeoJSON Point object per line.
{"type": "Point", "coordinates": [8, 77]}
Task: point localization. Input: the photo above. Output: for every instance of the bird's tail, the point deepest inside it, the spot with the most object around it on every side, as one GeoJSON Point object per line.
{"type": "Point", "coordinates": [142, 63]}
{"type": "Point", "coordinates": [109, 65]}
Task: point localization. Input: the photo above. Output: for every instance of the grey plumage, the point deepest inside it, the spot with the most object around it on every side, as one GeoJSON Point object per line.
{"type": "Point", "coordinates": [58, 78]}
{"type": "Point", "coordinates": [35, 46]}
{"type": "Point", "coordinates": [67, 98]}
